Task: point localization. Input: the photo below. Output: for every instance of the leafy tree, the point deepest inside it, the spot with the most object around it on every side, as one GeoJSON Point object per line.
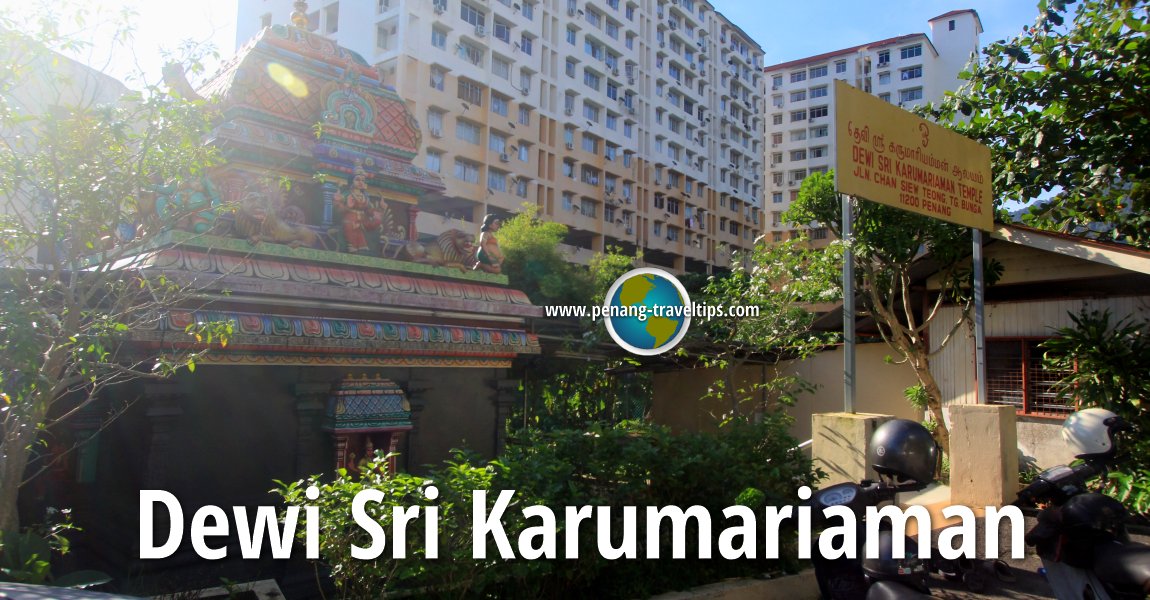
{"type": "Point", "coordinates": [784, 283]}
{"type": "Point", "coordinates": [75, 175]}
{"type": "Point", "coordinates": [886, 244]}
{"type": "Point", "coordinates": [1064, 108]}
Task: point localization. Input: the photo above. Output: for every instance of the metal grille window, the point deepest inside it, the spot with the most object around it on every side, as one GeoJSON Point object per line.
{"type": "Point", "coordinates": [1014, 376]}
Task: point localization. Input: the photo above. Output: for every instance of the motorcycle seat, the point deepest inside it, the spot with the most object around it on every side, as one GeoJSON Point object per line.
{"type": "Point", "coordinates": [1123, 565]}
{"type": "Point", "coordinates": [893, 590]}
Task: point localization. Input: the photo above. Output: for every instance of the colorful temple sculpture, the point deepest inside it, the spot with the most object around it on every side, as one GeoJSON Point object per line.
{"type": "Point", "coordinates": [351, 334]}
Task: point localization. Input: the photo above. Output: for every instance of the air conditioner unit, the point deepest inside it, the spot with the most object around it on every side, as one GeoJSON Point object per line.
{"type": "Point", "coordinates": [615, 71]}
{"type": "Point", "coordinates": [570, 145]}
{"type": "Point", "coordinates": [774, 87]}
{"type": "Point", "coordinates": [525, 91]}
{"type": "Point", "coordinates": [436, 133]}
{"type": "Point", "coordinates": [570, 12]}
{"type": "Point", "coordinates": [662, 44]}
{"type": "Point", "coordinates": [774, 144]}
{"type": "Point", "coordinates": [569, 112]}
{"type": "Point", "coordinates": [673, 25]}
{"type": "Point", "coordinates": [630, 230]}
{"type": "Point", "coordinates": [631, 110]}
{"type": "Point", "coordinates": [630, 81]}
{"type": "Point", "coordinates": [670, 187]}
{"type": "Point", "coordinates": [883, 64]}
{"type": "Point", "coordinates": [504, 158]}
{"type": "Point", "coordinates": [439, 10]}
{"type": "Point", "coordinates": [480, 31]}
{"type": "Point", "coordinates": [694, 66]}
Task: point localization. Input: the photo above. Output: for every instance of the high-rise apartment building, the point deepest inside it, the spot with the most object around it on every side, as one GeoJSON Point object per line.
{"type": "Point", "coordinates": [637, 124]}
{"type": "Point", "coordinates": [907, 70]}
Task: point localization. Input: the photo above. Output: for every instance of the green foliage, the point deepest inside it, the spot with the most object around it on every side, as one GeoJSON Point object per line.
{"type": "Point", "coordinates": [574, 393]}
{"type": "Point", "coordinates": [886, 243]}
{"type": "Point", "coordinates": [916, 396]}
{"type": "Point", "coordinates": [26, 557]}
{"type": "Point", "coordinates": [626, 465]}
{"type": "Point", "coordinates": [533, 262]}
{"type": "Point", "coordinates": [77, 171]}
{"type": "Point", "coordinates": [785, 283]}
{"type": "Point", "coordinates": [1104, 363]}
{"type": "Point", "coordinates": [1063, 108]}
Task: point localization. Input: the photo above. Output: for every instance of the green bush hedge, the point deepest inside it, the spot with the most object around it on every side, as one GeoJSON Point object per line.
{"type": "Point", "coordinates": [627, 465]}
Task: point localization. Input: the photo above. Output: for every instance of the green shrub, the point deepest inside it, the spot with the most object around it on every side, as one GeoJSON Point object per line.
{"type": "Point", "coordinates": [627, 465]}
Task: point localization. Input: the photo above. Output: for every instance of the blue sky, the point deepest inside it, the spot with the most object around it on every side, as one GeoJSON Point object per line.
{"type": "Point", "coordinates": [786, 30]}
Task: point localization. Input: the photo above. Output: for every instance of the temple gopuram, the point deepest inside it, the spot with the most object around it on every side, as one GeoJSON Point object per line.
{"type": "Point", "coordinates": [351, 333]}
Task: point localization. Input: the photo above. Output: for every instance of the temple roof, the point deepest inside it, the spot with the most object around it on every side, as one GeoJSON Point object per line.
{"type": "Point", "coordinates": [295, 92]}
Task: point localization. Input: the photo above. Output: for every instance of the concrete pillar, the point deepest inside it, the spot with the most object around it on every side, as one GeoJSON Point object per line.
{"type": "Point", "coordinates": [839, 445]}
{"type": "Point", "coordinates": [983, 455]}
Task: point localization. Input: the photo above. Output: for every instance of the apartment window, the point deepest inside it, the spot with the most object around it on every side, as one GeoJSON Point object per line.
{"type": "Point", "coordinates": [798, 76]}
{"type": "Point", "coordinates": [587, 208]}
{"type": "Point", "coordinates": [798, 175]}
{"type": "Point", "coordinates": [525, 43]}
{"type": "Point", "coordinates": [524, 152]}
{"type": "Point", "coordinates": [840, 66]}
{"type": "Point", "coordinates": [570, 68]}
{"type": "Point", "coordinates": [776, 236]}
{"type": "Point", "coordinates": [590, 112]}
{"type": "Point", "coordinates": [502, 31]}
{"type": "Point", "coordinates": [590, 144]}
{"type": "Point", "coordinates": [520, 187]}
{"type": "Point", "coordinates": [631, 14]}
{"type": "Point", "coordinates": [798, 155]}
{"type": "Point", "coordinates": [776, 81]}
{"type": "Point", "coordinates": [471, 53]}
{"type": "Point", "coordinates": [466, 170]}
{"type": "Point", "coordinates": [525, 115]}
{"type": "Point", "coordinates": [497, 142]}
{"type": "Point", "coordinates": [501, 68]}
{"type": "Point", "coordinates": [776, 197]}
{"type": "Point", "coordinates": [798, 95]}
{"type": "Point", "coordinates": [439, 38]}
{"type": "Point", "coordinates": [884, 57]}
{"type": "Point", "coordinates": [798, 115]}
{"type": "Point", "coordinates": [467, 131]}
{"type": "Point", "coordinates": [569, 169]}
{"type": "Point", "coordinates": [819, 233]}
{"type": "Point", "coordinates": [777, 119]}
{"type": "Point", "coordinates": [525, 81]}
{"type": "Point", "coordinates": [438, 76]}
{"type": "Point", "coordinates": [819, 71]}
{"type": "Point", "coordinates": [528, 10]}
{"type": "Point", "coordinates": [776, 218]}
{"type": "Point", "coordinates": [820, 131]}
{"type": "Point", "coordinates": [950, 25]}
{"type": "Point", "coordinates": [884, 78]}
{"type": "Point", "coordinates": [593, 17]}
{"type": "Point", "coordinates": [496, 180]}
{"type": "Point", "coordinates": [571, 33]}
{"type": "Point", "coordinates": [818, 111]}
{"type": "Point", "coordinates": [911, 73]}
{"type": "Point", "coordinates": [499, 104]}
{"type": "Point", "coordinates": [818, 92]}
{"type": "Point", "coordinates": [591, 79]}
{"type": "Point", "coordinates": [472, 15]}
{"type": "Point", "coordinates": [434, 161]}
{"type": "Point", "coordinates": [910, 51]}
{"type": "Point", "coordinates": [471, 92]}
{"type": "Point", "coordinates": [776, 158]}
{"type": "Point", "coordinates": [1015, 377]}
{"type": "Point", "coordinates": [910, 95]}
{"type": "Point", "coordinates": [885, 96]}
{"type": "Point", "coordinates": [435, 122]}
{"type": "Point", "coordinates": [568, 201]}
{"type": "Point", "coordinates": [382, 6]}
{"type": "Point", "coordinates": [818, 152]}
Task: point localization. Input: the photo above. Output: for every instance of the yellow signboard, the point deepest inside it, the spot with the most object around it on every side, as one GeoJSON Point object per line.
{"type": "Point", "coordinates": [890, 156]}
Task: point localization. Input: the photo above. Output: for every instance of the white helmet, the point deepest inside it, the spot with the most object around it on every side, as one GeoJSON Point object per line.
{"type": "Point", "coordinates": [1089, 432]}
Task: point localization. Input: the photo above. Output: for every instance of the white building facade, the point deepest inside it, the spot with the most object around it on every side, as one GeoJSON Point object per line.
{"type": "Point", "coordinates": [907, 70]}
{"type": "Point", "coordinates": [636, 123]}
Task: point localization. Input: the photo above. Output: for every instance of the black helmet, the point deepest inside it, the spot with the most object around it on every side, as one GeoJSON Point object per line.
{"type": "Point", "coordinates": [905, 450]}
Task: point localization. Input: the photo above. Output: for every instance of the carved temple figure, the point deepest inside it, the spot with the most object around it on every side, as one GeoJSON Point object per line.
{"type": "Point", "coordinates": [261, 217]}
{"type": "Point", "coordinates": [488, 256]}
{"type": "Point", "coordinates": [191, 205]}
{"type": "Point", "coordinates": [357, 214]}
{"type": "Point", "coordinates": [453, 248]}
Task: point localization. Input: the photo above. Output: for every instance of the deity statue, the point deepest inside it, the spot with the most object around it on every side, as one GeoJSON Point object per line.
{"type": "Point", "coordinates": [190, 205]}
{"type": "Point", "coordinates": [357, 214]}
{"type": "Point", "coordinates": [488, 256]}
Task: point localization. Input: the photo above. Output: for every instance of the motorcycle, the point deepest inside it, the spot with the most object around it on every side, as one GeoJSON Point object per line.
{"type": "Point", "coordinates": [904, 455]}
{"type": "Point", "coordinates": [1081, 535]}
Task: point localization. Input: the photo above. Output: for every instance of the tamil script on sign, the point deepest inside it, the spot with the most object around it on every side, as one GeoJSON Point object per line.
{"type": "Point", "coordinates": [890, 156]}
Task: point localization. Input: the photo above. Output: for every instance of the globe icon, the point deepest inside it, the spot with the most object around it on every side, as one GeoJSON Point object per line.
{"type": "Point", "coordinates": [645, 311]}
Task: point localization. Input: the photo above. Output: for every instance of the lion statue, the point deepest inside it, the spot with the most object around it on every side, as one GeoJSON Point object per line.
{"type": "Point", "coordinates": [261, 217]}
{"type": "Point", "coordinates": [453, 248]}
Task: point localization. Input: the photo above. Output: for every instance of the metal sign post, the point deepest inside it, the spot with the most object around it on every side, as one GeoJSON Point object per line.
{"type": "Point", "coordinates": [979, 319]}
{"type": "Point", "coordinates": [848, 308]}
